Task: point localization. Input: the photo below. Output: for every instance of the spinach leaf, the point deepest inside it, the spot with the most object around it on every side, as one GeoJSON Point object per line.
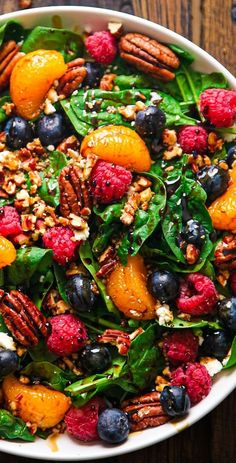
{"type": "Point", "coordinates": [40, 286]}
{"type": "Point", "coordinates": [180, 324]}
{"type": "Point", "coordinates": [183, 54]}
{"type": "Point", "coordinates": [40, 353]}
{"type": "Point", "coordinates": [60, 276]}
{"type": "Point", "coordinates": [145, 222]}
{"type": "Point", "coordinates": [12, 427]}
{"type": "Point", "coordinates": [88, 261]}
{"type": "Point", "coordinates": [11, 30]}
{"type": "Point", "coordinates": [30, 262]}
{"type": "Point", "coordinates": [3, 100]}
{"type": "Point", "coordinates": [3, 328]}
{"type": "Point", "coordinates": [67, 42]}
{"type": "Point", "coordinates": [232, 359]}
{"type": "Point", "coordinates": [49, 190]}
{"type": "Point", "coordinates": [51, 375]}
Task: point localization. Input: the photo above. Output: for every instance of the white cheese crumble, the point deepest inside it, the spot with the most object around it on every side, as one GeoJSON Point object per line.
{"type": "Point", "coordinates": [165, 315]}
{"type": "Point", "coordinates": [212, 365]}
{"type": "Point", "coordinates": [7, 342]}
{"type": "Point", "coordinates": [229, 136]}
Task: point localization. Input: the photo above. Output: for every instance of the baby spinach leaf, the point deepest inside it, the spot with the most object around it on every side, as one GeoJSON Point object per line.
{"type": "Point", "coordinates": [51, 375]}
{"type": "Point", "coordinates": [180, 324]}
{"type": "Point", "coordinates": [183, 54]}
{"type": "Point", "coordinates": [40, 286]}
{"type": "Point", "coordinates": [65, 41]}
{"type": "Point", "coordinates": [29, 262]}
{"type": "Point", "coordinates": [12, 427]}
{"type": "Point", "coordinates": [232, 359]}
{"type": "Point", "coordinates": [3, 328]}
{"type": "Point", "coordinates": [49, 190]}
{"type": "Point", "coordinates": [60, 276]}
{"type": "Point", "coordinates": [40, 353]}
{"type": "Point", "coordinates": [11, 30]}
{"type": "Point", "coordinates": [3, 100]}
{"type": "Point", "coordinates": [88, 261]}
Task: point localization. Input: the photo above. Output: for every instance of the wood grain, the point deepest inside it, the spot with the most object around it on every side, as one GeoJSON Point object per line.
{"type": "Point", "coordinates": [207, 23]}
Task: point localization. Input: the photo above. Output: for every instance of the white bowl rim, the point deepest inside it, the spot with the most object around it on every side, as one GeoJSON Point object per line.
{"type": "Point", "coordinates": [227, 378]}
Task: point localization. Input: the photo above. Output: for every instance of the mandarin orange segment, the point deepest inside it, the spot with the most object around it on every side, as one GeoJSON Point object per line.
{"type": "Point", "coordinates": [120, 145]}
{"type": "Point", "coordinates": [223, 209]}
{"type": "Point", "coordinates": [36, 404]}
{"type": "Point", "coordinates": [31, 79]}
{"type": "Point", "coordinates": [127, 287]}
{"type": "Point", "coordinates": [7, 252]}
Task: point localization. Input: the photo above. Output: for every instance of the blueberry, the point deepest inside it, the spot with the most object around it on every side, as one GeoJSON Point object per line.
{"type": "Point", "coordinates": [50, 129]}
{"type": "Point", "coordinates": [231, 156]}
{"type": "Point", "coordinates": [227, 313]}
{"type": "Point", "coordinates": [9, 362]}
{"type": "Point", "coordinates": [80, 293]}
{"type": "Point", "coordinates": [113, 426]}
{"type": "Point", "coordinates": [94, 74]}
{"type": "Point", "coordinates": [216, 344]}
{"type": "Point", "coordinates": [163, 285]}
{"type": "Point", "coordinates": [214, 180]}
{"type": "Point", "coordinates": [95, 358]}
{"type": "Point", "coordinates": [175, 400]}
{"type": "Point", "coordinates": [149, 121]}
{"type": "Point", "coordinates": [18, 133]}
{"type": "Point", "coordinates": [194, 233]}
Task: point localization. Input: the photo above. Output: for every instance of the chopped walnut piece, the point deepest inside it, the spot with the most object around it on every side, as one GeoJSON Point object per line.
{"type": "Point", "coordinates": [130, 207]}
{"type": "Point", "coordinates": [28, 222]}
{"type": "Point", "coordinates": [169, 137]}
{"type": "Point", "coordinates": [107, 82]}
{"type": "Point", "coordinates": [215, 143]}
{"type": "Point", "coordinates": [192, 254]}
{"type": "Point", "coordinates": [172, 152]}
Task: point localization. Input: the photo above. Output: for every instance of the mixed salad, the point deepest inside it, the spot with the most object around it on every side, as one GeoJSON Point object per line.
{"type": "Point", "coordinates": [117, 232]}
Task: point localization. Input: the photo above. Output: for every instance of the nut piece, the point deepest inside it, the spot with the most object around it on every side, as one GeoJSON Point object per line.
{"type": "Point", "coordinates": [9, 55]}
{"type": "Point", "coordinates": [107, 82]}
{"type": "Point", "coordinates": [115, 29]}
{"type": "Point", "coordinates": [225, 252]}
{"type": "Point", "coordinates": [23, 319]}
{"type": "Point", "coordinates": [148, 55]}
{"type": "Point", "coordinates": [107, 262]}
{"type": "Point", "coordinates": [145, 411]}
{"type": "Point", "coordinates": [75, 192]}
{"type": "Point", "coordinates": [120, 339]}
{"type": "Point", "coordinates": [73, 77]}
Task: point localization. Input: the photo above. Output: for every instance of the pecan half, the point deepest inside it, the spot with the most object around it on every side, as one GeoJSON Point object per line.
{"type": "Point", "coordinates": [73, 77]}
{"type": "Point", "coordinates": [148, 55]}
{"type": "Point", "coordinates": [23, 319]}
{"type": "Point", "coordinates": [120, 339]}
{"type": "Point", "coordinates": [107, 262]}
{"type": "Point", "coordinates": [70, 143]}
{"type": "Point", "coordinates": [75, 192]}
{"type": "Point", "coordinates": [9, 55]}
{"type": "Point", "coordinates": [145, 411]}
{"type": "Point", "coordinates": [225, 252]}
{"type": "Point", "coordinates": [107, 82]}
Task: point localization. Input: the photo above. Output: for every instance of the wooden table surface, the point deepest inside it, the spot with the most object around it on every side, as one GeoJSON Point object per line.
{"type": "Point", "coordinates": [208, 23]}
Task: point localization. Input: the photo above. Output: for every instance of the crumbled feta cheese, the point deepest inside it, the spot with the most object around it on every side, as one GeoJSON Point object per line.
{"type": "Point", "coordinates": [51, 148]}
{"type": "Point", "coordinates": [229, 136]}
{"type": "Point", "coordinates": [212, 365]}
{"type": "Point", "coordinates": [7, 341]}
{"type": "Point", "coordinates": [48, 107]}
{"type": "Point", "coordinates": [165, 315]}
{"type": "Point", "coordinates": [155, 98]}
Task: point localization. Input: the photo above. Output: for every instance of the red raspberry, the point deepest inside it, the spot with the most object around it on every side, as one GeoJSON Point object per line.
{"type": "Point", "coordinates": [233, 283]}
{"type": "Point", "coordinates": [181, 347]}
{"type": "Point", "coordinates": [195, 378]}
{"type": "Point", "coordinates": [68, 335]}
{"type": "Point", "coordinates": [109, 182]}
{"type": "Point", "coordinates": [218, 106]}
{"type": "Point", "coordinates": [59, 240]}
{"type": "Point", "coordinates": [193, 138]}
{"type": "Point", "coordinates": [197, 295]}
{"type": "Point", "coordinates": [81, 422]}
{"type": "Point", "coordinates": [9, 221]}
{"type": "Point", "coordinates": [102, 47]}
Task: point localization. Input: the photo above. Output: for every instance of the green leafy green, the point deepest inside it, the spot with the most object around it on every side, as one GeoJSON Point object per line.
{"type": "Point", "coordinates": [60, 276]}
{"type": "Point", "coordinates": [11, 30]}
{"type": "Point", "coordinates": [40, 353]}
{"type": "Point", "coordinates": [67, 42]}
{"type": "Point", "coordinates": [180, 324]}
{"type": "Point", "coordinates": [232, 359]}
{"type": "Point", "coordinates": [49, 190]}
{"type": "Point", "coordinates": [50, 374]}
{"type": "Point", "coordinates": [183, 54]}
{"type": "Point", "coordinates": [3, 100]}
{"type": "Point", "coordinates": [30, 262]}
{"type": "Point", "coordinates": [12, 427]}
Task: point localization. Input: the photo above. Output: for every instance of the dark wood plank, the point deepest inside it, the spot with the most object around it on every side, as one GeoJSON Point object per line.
{"type": "Point", "coordinates": [207, 23]}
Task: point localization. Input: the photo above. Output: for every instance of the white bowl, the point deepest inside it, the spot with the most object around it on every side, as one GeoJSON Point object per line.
{"type": "Point", "coordinates": [65, 448]}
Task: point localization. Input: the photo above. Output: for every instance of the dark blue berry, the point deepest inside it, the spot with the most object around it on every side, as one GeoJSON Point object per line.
{"type": "Point", "coordinates": [94, 74]}
{"type": "Point", "coordinates": [9, 362]}
{"type": "Point", "coordinates": [18, 133]}
{"type": "Point", "coordinates": [227, 313]}
{"type": "Point", "coordinates": [113, 426]}
{"type": "Point", "coordinates": [150, 121]}
{"type": "Point", "coordinates": [80, 293]}
{"type": "Point", "coordinates": [214, 180]}
{"type": "Point", "coordinates": [95, 358]}
{"type": "Point", "coordinates": [216, 344]}
{"type": "Point", "coordinates": [231, 156]}
{"type": "Point", "coordinates": [163, 285]}
{"type": "Point", "coordinates": [175, 400]}
{"type": "Point", "coordinates": [50, 129]}
{"type": "Point", "coordinates": [194, 233]}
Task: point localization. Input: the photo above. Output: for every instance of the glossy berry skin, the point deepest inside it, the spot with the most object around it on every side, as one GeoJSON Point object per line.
{"type": "Point", "coordinates": [18, 132]}
{"type": "Point", "coordinates": [150, 121]}
{"type": "Point", "coordinates": [216, 344]}
{"type": "Point", "coordinates": [79, 293]}
{"type": "Point", "coordinates": [163, 285]}
{"type": "Point", "coordinates": [227, 313]}
{"type": "Point", "coordinates": [194, 233]}
{"type": "Point", "coordinates": [95, 358]}
{"type": "Point", "coordinates": [94, 74]}
{"type": "Point", "coordinates": [231, 156]}
{"type": "Point", "coordinates": [175, 400]}
{"type": "Point", "coordinates": [9, 362]}
{"type": "Point", "coordinates": [113, 426]}
{"type": "Point", "coordinates": [50, 129]}
{"type": "Point", "coordinates": [214, 180]}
